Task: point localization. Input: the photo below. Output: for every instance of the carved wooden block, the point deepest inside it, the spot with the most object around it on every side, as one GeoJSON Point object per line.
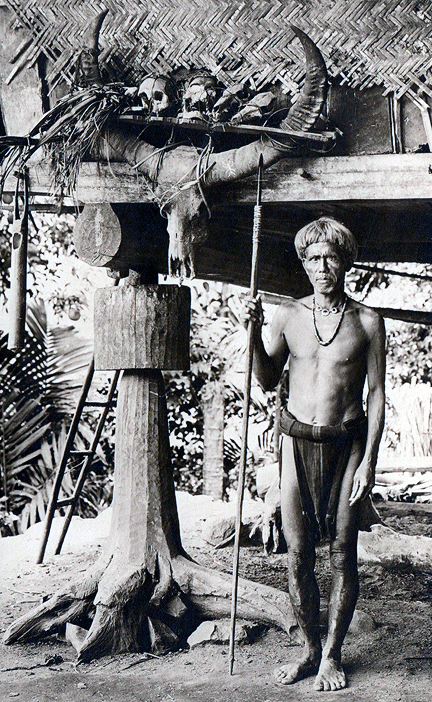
{"type": "Point", "coordinates": [144, 326]}
{"type": "Point", "coordinates": [121, 235]}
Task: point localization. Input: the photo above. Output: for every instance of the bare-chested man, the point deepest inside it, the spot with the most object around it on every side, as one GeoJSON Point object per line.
{"type": "Point", "coordinates": [329, 448]}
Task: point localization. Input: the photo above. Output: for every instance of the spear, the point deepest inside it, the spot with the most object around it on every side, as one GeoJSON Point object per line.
{"type": "Point", "coordinates": [246, 403]}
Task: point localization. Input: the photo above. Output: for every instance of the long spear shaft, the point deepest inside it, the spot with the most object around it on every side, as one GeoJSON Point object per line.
{"type": "Point", "coordinates": [246, 404]}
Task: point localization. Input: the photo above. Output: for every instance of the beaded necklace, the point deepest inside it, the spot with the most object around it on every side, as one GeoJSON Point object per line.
{"type": "Point", "coordinates": [323, 310]}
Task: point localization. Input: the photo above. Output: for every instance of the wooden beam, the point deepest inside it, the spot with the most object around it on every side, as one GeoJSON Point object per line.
{"type": "Point", "coordinates": [377, 179]}
{"type": "Point", "coordinates": [386, 177]}
{"type": "Point", "coordinates": [374, 178]}
{"type": "Point", "coordinates": [227, 258]}
{"type": "Point", "coordinates": [412, 316]}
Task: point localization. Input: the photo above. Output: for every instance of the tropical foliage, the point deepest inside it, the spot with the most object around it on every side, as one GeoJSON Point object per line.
{"type": "Point", "coordinates": [218, 344]}
{"type": "Point", "coordinates": [37, 397]}
{"type": "Point", "coordinates": [409, 346]}
{"type": "Point", "coordinates": [55, 274]}
{"type": "Point", "coordinates": [408, 434]}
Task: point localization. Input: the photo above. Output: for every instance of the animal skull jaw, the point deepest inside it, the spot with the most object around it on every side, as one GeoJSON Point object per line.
{"type": "Point", "coordinates": [187, 225]}
{"type": "Point", "coordinates": [181, 264]}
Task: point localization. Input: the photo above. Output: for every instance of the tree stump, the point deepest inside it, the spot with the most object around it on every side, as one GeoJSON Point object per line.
{"type": "Point", "coordinates": [144, 591]}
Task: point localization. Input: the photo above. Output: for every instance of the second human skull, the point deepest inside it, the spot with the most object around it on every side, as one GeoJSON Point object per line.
{"type": "Point", "coordinates": [199, 96]}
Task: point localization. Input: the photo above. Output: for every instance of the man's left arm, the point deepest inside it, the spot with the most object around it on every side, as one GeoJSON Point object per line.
{"type": "Point", "coordinates": [364, 477]}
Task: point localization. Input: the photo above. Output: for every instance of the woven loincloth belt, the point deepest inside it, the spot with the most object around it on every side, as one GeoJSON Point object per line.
{"type": "Point", "coordinates": [321, 455]}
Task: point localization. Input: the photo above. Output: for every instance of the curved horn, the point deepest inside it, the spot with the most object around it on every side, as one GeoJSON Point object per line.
{"type": "Point", "coordinates": [307, 108]}
{"type": "Point", "coordinates": [91, 35]}
{"type": "Point", "coordinates": [121, 144]}
{"type": "Point", "coordinates": [242, 162]}
{"type": "Point", "coordinates": [88, 65]}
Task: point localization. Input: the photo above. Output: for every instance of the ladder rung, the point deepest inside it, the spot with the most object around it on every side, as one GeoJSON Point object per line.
{"type": "Point", "coordinates": [64, 503]}
{"type": "Point", "coordinates": [98, 403]}
{"type": "Point", "coordinates": [82, 453]}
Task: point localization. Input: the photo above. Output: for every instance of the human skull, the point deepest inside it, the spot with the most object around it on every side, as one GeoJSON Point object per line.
{"type": "Point", "coordinates": [157, 94]}
{"type": "Point", "coordinates": [199, 97]}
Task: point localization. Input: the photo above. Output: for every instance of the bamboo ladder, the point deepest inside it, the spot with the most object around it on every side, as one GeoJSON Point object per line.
{"type": "Point", "coordinates": [68, 452]}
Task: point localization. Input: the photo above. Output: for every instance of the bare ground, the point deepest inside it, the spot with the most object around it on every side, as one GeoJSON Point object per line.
{"type": "Point", "coordinates": [393, 663]}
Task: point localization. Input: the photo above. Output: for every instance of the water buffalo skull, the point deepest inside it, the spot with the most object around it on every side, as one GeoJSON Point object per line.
{"type": "Point", "coordinates": [180, 176]}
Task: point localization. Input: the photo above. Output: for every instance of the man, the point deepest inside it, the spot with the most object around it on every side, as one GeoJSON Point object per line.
{"type": "Point", "coordinates": [329, 448]}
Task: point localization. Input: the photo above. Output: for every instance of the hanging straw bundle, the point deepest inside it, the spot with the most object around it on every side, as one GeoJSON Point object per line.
{"type": "Point", "coordinates": [69, 132]}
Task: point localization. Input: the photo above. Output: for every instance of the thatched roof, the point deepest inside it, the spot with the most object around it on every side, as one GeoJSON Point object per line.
{"type": "Point", "coordinates": [364, 43]}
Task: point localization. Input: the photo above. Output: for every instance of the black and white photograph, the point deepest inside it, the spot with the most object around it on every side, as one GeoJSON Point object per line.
{"type": "Point", "coordinates": [216, 350]}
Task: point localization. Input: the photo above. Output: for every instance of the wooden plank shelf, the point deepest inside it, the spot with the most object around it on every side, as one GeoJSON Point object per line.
{"type": "Point", "coordinates": [139, 117]}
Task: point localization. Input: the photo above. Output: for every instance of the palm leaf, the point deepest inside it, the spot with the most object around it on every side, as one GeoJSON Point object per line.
{"type": "Point", "coordinates": [35, 491]}
{"type": "Point", "coordinates": [37, 387]}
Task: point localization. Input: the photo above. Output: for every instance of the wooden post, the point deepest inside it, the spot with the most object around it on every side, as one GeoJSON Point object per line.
{"type": "Point", "coordinates": [143, 330]}
{"type": "Point", "coordinates": [142, 327]}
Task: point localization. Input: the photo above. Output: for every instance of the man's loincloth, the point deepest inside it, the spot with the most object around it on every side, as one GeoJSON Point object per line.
{"type": "Point", "coordinates": [321, 455]}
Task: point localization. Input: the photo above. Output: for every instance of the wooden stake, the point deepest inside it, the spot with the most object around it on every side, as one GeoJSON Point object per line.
{"type": "Point", "coordinates": [246, 403]}
{"type": "Point", "coordinates": [18, 272]}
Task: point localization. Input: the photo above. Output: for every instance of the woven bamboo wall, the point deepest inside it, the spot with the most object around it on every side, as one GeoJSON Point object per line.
{"type": "Point", "coordinates": [364, 43]}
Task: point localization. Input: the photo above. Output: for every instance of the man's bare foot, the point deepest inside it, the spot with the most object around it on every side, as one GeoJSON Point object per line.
{"type": "Point", "coordinates": [293, 672]}
{"type": "Point", "coordinates": [330, 676]}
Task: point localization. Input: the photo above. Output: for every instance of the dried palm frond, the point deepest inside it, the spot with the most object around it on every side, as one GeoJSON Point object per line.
{"type": "Point", "coordinates": [69, 132]}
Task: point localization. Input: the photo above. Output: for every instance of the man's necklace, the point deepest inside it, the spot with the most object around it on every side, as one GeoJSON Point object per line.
{"type": "Point", "coordinates": [326, 312]}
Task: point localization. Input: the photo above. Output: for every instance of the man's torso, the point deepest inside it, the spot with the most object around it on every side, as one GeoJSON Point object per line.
{"type": "Point", "coordinates": [326, 382]}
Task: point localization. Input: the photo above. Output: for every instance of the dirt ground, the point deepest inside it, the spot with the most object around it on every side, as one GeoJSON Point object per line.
{"type": "Point", "coordinates": [392, 663]}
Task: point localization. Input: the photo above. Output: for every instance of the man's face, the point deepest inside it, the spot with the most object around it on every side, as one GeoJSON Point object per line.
{"type": "Point", "coordinates": [325, 267]}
